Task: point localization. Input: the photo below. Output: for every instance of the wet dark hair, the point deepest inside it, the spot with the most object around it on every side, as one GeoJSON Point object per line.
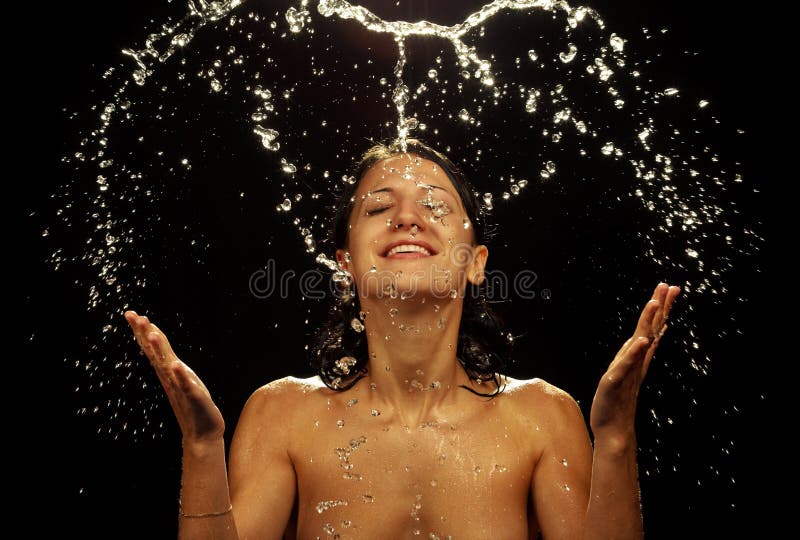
{"type": "Point", "coordinates": [339, 353]}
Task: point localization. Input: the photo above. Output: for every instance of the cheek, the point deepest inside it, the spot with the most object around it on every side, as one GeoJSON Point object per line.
{"type": "Point", "coordinates": [455, 232]}
{"type": "Point", "coordinates": [363, 247]}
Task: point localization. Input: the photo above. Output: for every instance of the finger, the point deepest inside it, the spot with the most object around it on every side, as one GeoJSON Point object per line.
{"type": "Point", "coordinates": [660, 292]}
{"type": "Point", "coordinates": [672, 294]}
{"type": "Point", "coordinates": [651, 350]}
{"type": "Point", "coordinates": [649, 312]}
{"type": "Point", "coordinates": [141, 327]}
{"type": "Point", "coordinates": [130, 318]}
{"type": "Point", "coordinates": [161, 363]}
{"type": "Point", "coordinates": [163, 356]}
{"type": "Point", "coordinates": [660, 319]}
{"type": "Point", "coordinates": [167, 346]}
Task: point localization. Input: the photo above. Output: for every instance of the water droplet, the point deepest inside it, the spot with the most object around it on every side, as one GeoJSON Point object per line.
{"type": "Point", "coordinates": [296, 19]}
{"type": "Point", "coordinates": [268, 137]}
{"type": "Point", "coordinates": [287, 167]}
{"type": "Point", "coordinates": [400, 94]}
{"type": "Point", "coordinates": [322, 506]}
{"type": "Point", "coordinates": [345, 363]}
{"type": "Point", "coordinates": [432, 74]}
{"type": "Point", "coordinates": [531, 103]}
{"type": "Point", "coordinates": [311, 245]}
{"type": "Point", "coordinates": [357, 325]}
{"type": "Point", "coordinates": [568, 56]}
{"type": "Point", "coordinates": [532, 55]}
{"type": "Point", "coordinates": [617, 43]}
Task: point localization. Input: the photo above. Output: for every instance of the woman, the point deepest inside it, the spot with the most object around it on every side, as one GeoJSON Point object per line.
{"type": "Point", "coordinates": [410, 430]}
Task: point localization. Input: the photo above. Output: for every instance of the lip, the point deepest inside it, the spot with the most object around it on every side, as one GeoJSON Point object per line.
{"type": "Point", "coordinates": [414, 255]}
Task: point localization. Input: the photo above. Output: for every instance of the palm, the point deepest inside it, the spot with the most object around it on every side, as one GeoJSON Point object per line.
{"type": "Point", "coordinates": [198, 416]}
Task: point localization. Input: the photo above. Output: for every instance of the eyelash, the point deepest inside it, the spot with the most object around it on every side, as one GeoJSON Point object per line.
{"type": "Point", "coordinates": [377, 210]}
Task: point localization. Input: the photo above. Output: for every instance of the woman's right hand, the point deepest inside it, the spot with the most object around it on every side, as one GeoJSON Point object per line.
{"type": "Point", "coordinates": [199, 418]}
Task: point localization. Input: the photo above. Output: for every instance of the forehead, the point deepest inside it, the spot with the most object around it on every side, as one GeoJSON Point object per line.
{"type": "Point", "coordinates": [404, 168]}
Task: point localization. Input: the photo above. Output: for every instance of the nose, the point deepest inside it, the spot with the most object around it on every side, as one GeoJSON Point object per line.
{"type": "Point", "coordinates": [408, 216]}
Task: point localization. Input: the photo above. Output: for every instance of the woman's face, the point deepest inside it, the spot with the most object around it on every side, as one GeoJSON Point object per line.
{"type": "Point", "coordinates": [409, 234]}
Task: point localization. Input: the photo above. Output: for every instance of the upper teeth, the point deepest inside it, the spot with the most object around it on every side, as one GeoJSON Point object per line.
{"type": "Point", "coordinates": [407, 248]}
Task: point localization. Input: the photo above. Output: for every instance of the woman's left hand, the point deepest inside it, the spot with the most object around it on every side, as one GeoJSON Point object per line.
{"type": "Point", "coordinates": [614, 406]}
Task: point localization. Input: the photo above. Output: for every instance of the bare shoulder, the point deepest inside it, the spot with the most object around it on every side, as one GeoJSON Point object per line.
{"type": "Point", "coordinates": [275, 409]}
{"type": "Point", "coordinates": [540, 398]}
{"type": "Point", "coordinates": [286, 392]}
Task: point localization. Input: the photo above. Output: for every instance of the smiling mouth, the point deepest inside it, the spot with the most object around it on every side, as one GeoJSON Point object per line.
{"type": "Point", "coordinates": [407, 251]}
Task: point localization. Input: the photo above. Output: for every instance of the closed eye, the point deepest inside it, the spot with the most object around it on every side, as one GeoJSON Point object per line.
{"type": "Point", "coordinates": [374, 211]}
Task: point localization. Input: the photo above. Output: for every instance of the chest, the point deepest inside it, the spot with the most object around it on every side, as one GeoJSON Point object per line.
{"type": "Point", "coordinates": [367, 477]}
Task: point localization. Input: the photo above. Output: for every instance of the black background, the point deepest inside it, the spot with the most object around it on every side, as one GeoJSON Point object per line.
{"type": "Point", "coordinates": [69, 481]}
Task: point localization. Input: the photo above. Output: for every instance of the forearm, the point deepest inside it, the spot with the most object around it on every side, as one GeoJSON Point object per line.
{"type": "Point", "coordinates": [205, 498]}
{"type": "Point", "coordinates": [614, 511]}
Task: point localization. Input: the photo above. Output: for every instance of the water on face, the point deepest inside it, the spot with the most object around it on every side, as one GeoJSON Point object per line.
{"type": "Point", "coordinates": [293, 93]}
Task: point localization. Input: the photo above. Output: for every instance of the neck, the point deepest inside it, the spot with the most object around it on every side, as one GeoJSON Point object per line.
{"type": "Point", "coordinates": [412, 352]}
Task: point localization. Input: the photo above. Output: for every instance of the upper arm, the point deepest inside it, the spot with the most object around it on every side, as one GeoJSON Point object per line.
{"type": "Point", "coordinates": [562, 474]}
{"type": "Point", "coordinates": [261, 475]}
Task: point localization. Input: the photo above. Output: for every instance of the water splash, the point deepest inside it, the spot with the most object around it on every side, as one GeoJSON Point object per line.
{"type": "Point", "coordinates": [556, 96]}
